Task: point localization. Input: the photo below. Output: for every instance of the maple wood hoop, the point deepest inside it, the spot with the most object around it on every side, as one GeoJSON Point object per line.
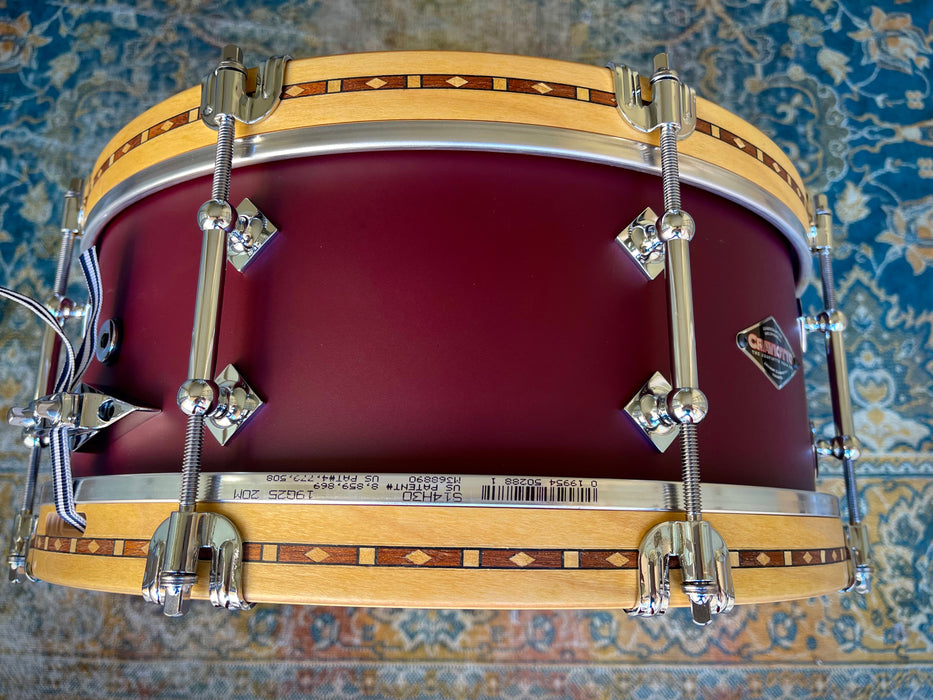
{"type": "Point", "coordinates": [343, 550]}
{"type": "Point", "coordinates": [429, 99]}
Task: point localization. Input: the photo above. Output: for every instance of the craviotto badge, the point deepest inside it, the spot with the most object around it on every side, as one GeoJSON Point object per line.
{"type": "Point", "coordinates": [767, 346]}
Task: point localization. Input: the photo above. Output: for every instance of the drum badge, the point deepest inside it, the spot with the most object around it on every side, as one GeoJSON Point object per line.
{"type": "Point", "coordinates": [768, 348]}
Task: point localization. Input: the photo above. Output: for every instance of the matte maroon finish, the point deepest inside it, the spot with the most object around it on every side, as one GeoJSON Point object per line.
{"type": "Point", "coordinates": [450, 312]}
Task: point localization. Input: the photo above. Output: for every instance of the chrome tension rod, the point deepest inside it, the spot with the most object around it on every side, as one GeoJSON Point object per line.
{"type": "Point", "coordinates": [660, 409]}
{"type": "Point", "coordinates": [845, 446]}
{"type": "Point", "coordinates": [62, 308]}
{"type": "Point", "coordinates": [226, 402]}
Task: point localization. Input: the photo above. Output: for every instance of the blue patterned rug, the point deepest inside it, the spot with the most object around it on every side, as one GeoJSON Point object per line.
{"type": "Point", "coordinates": [843, 87]}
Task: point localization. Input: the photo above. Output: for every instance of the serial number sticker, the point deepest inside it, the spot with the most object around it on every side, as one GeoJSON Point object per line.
{"type": "Point", "coordinates": [439, 489]}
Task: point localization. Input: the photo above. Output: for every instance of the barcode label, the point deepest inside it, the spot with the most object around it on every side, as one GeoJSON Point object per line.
{"type": "Point", "coordinates": [539, 494]}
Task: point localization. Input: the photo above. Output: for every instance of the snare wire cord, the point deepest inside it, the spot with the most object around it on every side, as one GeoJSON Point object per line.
{"type": "Point", "coordinates": [69, 379]}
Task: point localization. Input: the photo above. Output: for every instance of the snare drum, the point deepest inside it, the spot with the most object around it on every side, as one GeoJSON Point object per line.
{"type": "Point", "coordinates": [445, 333]}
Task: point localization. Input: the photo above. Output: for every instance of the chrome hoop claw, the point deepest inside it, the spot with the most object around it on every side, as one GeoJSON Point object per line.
{"type": "Point", "coordinates": [172, 562]}
{"type": "Point", "coordinates": [704, 563]}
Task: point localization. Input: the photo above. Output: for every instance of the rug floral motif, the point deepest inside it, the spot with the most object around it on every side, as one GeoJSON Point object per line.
{"type": "Point", "coordinates": [843, 87]}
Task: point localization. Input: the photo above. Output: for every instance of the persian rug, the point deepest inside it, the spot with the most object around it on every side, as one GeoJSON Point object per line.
{"type": "Point", "coordinates": [843, 87]}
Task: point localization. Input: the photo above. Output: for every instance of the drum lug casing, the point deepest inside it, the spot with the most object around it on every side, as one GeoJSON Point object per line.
{"type": "Point", "coordinates": [252, 231]}
{"type": "Point", "coordinates": [640, 240]}
{"type": "Point", "coordinates": [648, 408]}
{"type": "Point", "coordinates": [237, 402]}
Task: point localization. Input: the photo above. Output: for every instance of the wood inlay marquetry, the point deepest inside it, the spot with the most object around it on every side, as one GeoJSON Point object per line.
{"type": "Point", "coordinates": [455, 82]}
{"type": "Point", "coordinates": [312, 554]}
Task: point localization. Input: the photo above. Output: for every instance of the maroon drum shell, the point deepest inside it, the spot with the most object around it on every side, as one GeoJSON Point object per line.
{"type": "Point", "coordinates": [450, 312]}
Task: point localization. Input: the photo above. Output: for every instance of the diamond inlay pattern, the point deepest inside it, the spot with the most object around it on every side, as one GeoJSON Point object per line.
{"type": "Point", "coordinates": [317, 554]}
{"type": "Point", "coordinates": [418, 557]}
{"type": "Point", "coordinates": [445, 558]}
{"type": "Point", "coordinates": [521, 559]}
{"type": "Point", "coordinates": [617, 559]}
{"type": "Point", "coordinates": [478, 82]}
